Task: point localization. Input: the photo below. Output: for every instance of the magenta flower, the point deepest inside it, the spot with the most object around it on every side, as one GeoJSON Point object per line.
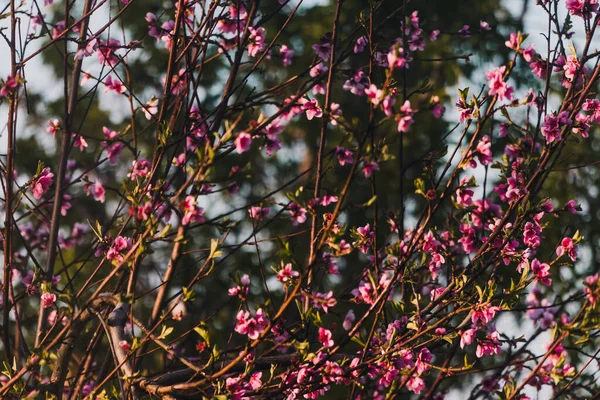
{"type": "Point", "coordinates": [325, 337]}
{"type": "Point", "coordinates": [286, 273]}
{"type": "Point", "coordinates": [114, 84]}
{"type": "Point", "coordinates": [360, 44]}
{"type": "Point", "coordinates": [42, 183]}
{"type": "Point", "coordinates": [48, 299]}
{"type": "Point", "coordinates": [568, 247]}
{"type": "Point", "coordinates": [466, 337]}
{"type": "Point", "coordinates": [374, 94]}
{"type": "Point", "coordinates": [349, 320]}
{"type": "Point", "coordinates": [191, 212]}
{"type": "Point", "coordinates": [258, 213]}
{"type": "Point", "coordinates": [344, 156]}
{"type": "Point", "coordinates": [369, 168]}
{"type": "Point", "coordinates": [80, 142]}
{"type": "Point", "coordinates": [497, 84]}
{"type": "Point", "coordinates": [541, 272]}
{"type": "Point", "coordinates": [286, 55]}
{"type": "Point", "coordinates": [54, 126]}
{"type": "Point", "coordinates": [311, 107]}
{"type": "Point", "coordinates": [251, 326]}
{"type": "Point", "coordinates": [242, 142]}
{"type": "Point", "coordinates": [405, 117]}
{"type": "Point", "coordinates": [257, 41]}
{"type": "Point", "coordinates": [513, 41]}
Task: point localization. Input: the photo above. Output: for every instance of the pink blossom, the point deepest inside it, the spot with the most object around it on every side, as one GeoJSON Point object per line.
{"type": "Point", "coordinates": [349, 320]}
{"type": "Point", "coordinates": [324, 301]}
{"type": "Point", "coordinates": [374, 94]}
{"type": "Point", "coordinates": [139, 168]}
{"type": "Point", "coordinates": [497, 84]}
{"type": "Point", "coordinates": [191, 212]}
{"type": "Point", "coordinates": [251, 326]}
{"type": "Point", "coordinates": [568, 247]}
{"type": "Point", "coordinates": [80, 142]}
{"type": "Point", "coordinates": [42, 183]}
{"type": "Point", "coordinates": [113, 150]}
{"type": "Point", "coordinates": [124, 345]}
{"type": "Point", "coordinates": [541, 272]}
{"type": "Point", "coordinates": [360, 44]}
{"type": "Point", "coordinates": [571, 67]}
{"type": "Point", "coordinates": [466, 337]}
{"type": "Point", "coordinates": [48, 299]}
{"type": "Point", "coordinates": [416, 384]}
{"type": "Point", "coordinates": [258, 213]}
{"type": "Point", "coordinates": [286, 273]}
{"type": "Point", "coordinates": [405, 117]}
{"type": "Point", "coordinates": [312, 108]}
{"type": "Point", "coordinates": [571, 206]}
{"type": "Point", "coordinates": [513, 42]}
{"type": "Point", "coordinates": [344, 156]}
{"type": "Point", "coordinates": [298, 213]}
{"type": "Point", "coordinates": [582, 8]}
{"type": "Point", "coordinates": [114, 84]}
{"type": "Point", "coordinates": [325, 337]}
{"type": "Point", "coordinates": [54, 126]}
{"type": "Point", "coordinates": [286, 55]}
{"type": "Point", "coordinates": [242, 142]}
{"type": "Point", "coordinates": [257, 41]}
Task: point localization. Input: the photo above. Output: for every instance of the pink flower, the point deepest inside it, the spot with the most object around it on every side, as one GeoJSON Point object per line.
{"type": "Point", "coordinates": [114, 85]}
{"type": "Point", "coordinates": [43, 182]}
{"type": "Point", "coordinates": [571, 67]}
{"type": "Point", "coordinates": [257, 41]}
{"type": "Point", "coordinates": [513, 42]}
{"type": "Point", "coordinates": [369, 168]}
{"type": "Point", "coordinates": [466, 337]}
{"type": "Point", "coordinates": [242, 142]}
{"type": "Point", "coordinates": [582, 8]}
{"type": "Point", "coordinates": [113, 151]}
{"type": "Point", "coordinates": [124, 345]}
{"type": "Point", "coordinates": [48, 299]}
{"type": "Point", "coordinates": [374, 94]}
{"type": "Point", "coordinates": [349, 320]}
{"type": "Point", "coordinates": [551, 126]}
{"type": "Point", "coordinates": [360, 44]}
{"type": "Point", "coordinates": [484, 313]}
{"type": "Point", "coordinates": [541, 272]}
{"type": "Point", "coordinates": [191, 212]}
{"type": "Point", "coordinates": [139, 168]}
{"type": "Point", "coordinates": [491, 345]}
{"type": "Point", "coordinates": [9, 86]}
{"type": "Point", "coordinates": [286, 55]}
{"type": "Point", "coordinates": [405, 117]}
{"type": "Point", "coordinates": [80, 142]}
{"type": "Point", "coordinates": [416, 384]}
{"type": "Point", "coordinates": [251, 326]}
{"type": "Point", "coordinates": [286, 273]}
{"type": "Point", "coordinates": [497, 84]}
{"type": "Point", "coordinates": [97, 190]}
{"type": "Point", "coordinates": [54, 126]}
{"type": "Point", "coordinates": [571, 206]}
{"type": "Point", "coordinates": [325, 337]}
{"type": "Point", "coordinates": [312, 108]}
{"type": "Point", "coordinates": [568, 247]}
{"type": "Point", "coordinates": [297, 213]}
{"type": "Point", "coordinates": [344, 156]}
{"type": "Point", "coordinates": [258, 213]}
{"type": "Point", "coordinates": [108, 134]}
{"type": "Point", "coordinates": [324, 301]}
